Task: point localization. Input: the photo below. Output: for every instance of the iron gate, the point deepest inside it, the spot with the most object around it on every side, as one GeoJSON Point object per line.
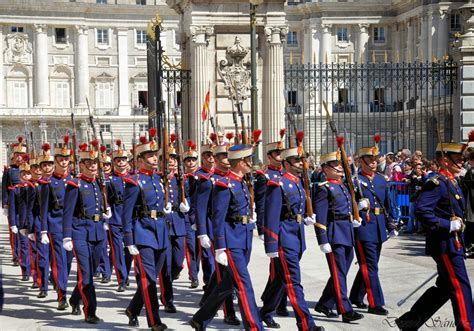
{"type": "Point", "coordinates": [403, 102]}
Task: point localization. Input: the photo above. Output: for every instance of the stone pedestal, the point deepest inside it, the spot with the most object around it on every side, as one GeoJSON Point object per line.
{"type": "Point", "coordinates": [82, 66]}
{"type": "Point", "coordinates": [41, 83]}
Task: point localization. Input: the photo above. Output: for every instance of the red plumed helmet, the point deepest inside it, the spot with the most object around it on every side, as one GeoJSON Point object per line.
{"type": "Point", "coordinates": [143, 139]}
{"type": "Point", "coordinates": [193, 146]}
{"type": "Point", "coordinates": [213, 137]}
{"type": "Point", "coordinates": [94, 143]}
{"type": "Point", "coordinates": [118, 143]}
{"type": "Point", "coordinates": [103, 148]}
{"type": "Point", "coordinates": [377, 138]}
{"type": "Point", "coordinates": [83, 147]}
{"type": "Point", "coordinates": [189, 143]}
{"type": "Point", "coordinates": [471, 135]}
{"type": "Point", "coordinates": [46, 147]}
{"type": "Point", "coordinates": [20, 139]}
{"type": "Point", "coordinates": [340, 141]}
{"type": "Point", "coordinates": [229, 135]}
{"type": "Point", "coordinates": [25, 157]}
{"type": "Point", "coordinates": [299, 136]}
{"type": "Point", "coordinates": [256, 135]}
{"type": "Point", "coordinates": [66, 139]}
{"type": "Point", "coordinates": [152, 132]}
{"type": "Point", "coordinates": [282, 132]}
{"type": "Point", "coordinates": [173, 137]}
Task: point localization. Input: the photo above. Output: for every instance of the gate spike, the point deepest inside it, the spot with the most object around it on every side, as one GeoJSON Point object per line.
{"type": "Point", "coordinates": [314, 57]}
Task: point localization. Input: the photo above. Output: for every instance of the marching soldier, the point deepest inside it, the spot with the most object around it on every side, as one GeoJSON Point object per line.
{"type": "Point", "coordinates": [273, 172]}
{"type": "Point", "coordinates": [283, 226]}
{"type": "Point", "coordinates": [51, 194]}
{"type": "Point", "coordinates": [84, 233]}
{"type": "Point", "coordinates": [373, 206]}
{"type": "Point", "coordinates": [145, 231]}
{"type": "Point", "coordinates": [115, 193]}
{"type": "Point", "coordinates": [440, 207]}
{"type": "Point", "coordinates": [335, 234]}
{"type": "Point", "coordinates": [232, 235]}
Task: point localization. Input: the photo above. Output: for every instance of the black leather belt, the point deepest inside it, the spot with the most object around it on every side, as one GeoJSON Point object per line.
{"type": "Point", "coordinates": [244, 219]}
{"type": "Point", "coordinates": [343, 217]}
{"type": "Point", "coordinates": [294, 217]}
{"type": "Point", "coordinates": [95, 217]}
{"type": "Point", "coordinates": [154, 214]}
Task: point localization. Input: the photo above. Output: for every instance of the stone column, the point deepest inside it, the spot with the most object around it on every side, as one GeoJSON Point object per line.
{"type": "Point", "coordinates": [397, 54]}
{"type": "Point", "coordinates": [43, 131]}
{"type": "Point", "coordinates": [124, 94]}
{"type": "Point", "coordinates": [273, 89]}
{"type": "Point", "coordinates": [325, 54]}
{"type": "Point", "coordinates": [82, 66]}
{"type": "Point", "coordinates": [410, 55]}
{"type": "Point", "coordinates": [199, 78]}
{"type": "Point", "coordinates": [41, 84]}
{"type": "Point", "coordinates": [2, 77]}
{"type": "Point", "coordinates": [362, 43]}
{"type": "Point", "coordinates": [442, 43]}
{"type": "Point", "coordinates": [316, 40]}
{"type": "Point", "coordinates": [423, 46]}
{"type": "Point", "coordinates": [433, 18]}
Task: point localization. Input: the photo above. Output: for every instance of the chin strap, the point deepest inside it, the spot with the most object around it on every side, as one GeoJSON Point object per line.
{"type": "Point", "coordinates": [454, 163]}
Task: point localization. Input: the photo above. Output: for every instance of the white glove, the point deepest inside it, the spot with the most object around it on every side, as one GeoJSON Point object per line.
{"type": "Point", "coordinates": [325, 248]}
{"type": "Point", "coordinates": [168, 209]}
{"type": "Point", "coordinates": [14, 229]}
{"type": "Point", "coordinates": [133, 250]}
{"type": "Point", "coordinates": [184, 207]}
{"type": "Point", "coordinates": [67, 244]}
{"type": "Point", "coordinates": [393, 233]}
{"type": "Point", "coordinates": [108, 213]}
{"type": "Point", "coordinates": [363, 204]}
{"type": "Point", "coordinates": [272, 255]}
{"type": "Point", "coordinates": [221, 257]}
{"type": "Point", "coordinates": [23, 232]}
{"type": "Point", "coordinates": [5, 211]}
{"type": "Point", "coordinates": [261, 237]}
{"type": "Point", "coordinates": [44, 238]}
{"type": "Point", "coordinates": [310, 220]}
{"type": "Point", "coordinates": [253, 219]}
{"type": "Point", "coordinates": [106, 226]}
{"type": "Point", "coordinates": [194, 227]}
{"type": "Point", "coordinates": [31, 236]}
{"type": "Point", "coordinates": [204, 241]}
{"type": "Point", "coordinates": [454, 225]}
{"type": "Point", "coordinates": [356, 223]}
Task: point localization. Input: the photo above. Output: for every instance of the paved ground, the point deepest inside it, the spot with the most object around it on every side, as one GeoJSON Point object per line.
{"type": "Point", "coordinates": [403, 267]}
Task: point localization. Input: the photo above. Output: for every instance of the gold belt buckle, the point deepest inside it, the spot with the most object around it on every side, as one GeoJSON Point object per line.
{"type": "Point", "coordinates": [153, 214]}
{"type": "Point", "coordinates": [351, 217]}
{"type": "Point", "coordinates": [96, 217]}
{"type": "Point", "coordinates": [299, 218]}
{"type": "Point", "coordinates": [244, 219]}
{"type": "Point", "coordinates": [377, 211]}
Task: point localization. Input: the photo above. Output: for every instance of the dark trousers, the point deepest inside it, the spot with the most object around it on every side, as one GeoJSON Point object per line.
{"type": "Point", "coordinates": [275, 283]}
{"type": "Point", "coordinates": [207, 261]}
{"type": "Point", "coordinates": [42, 263]}
{"type": "Point", "coordinates": [104, 267]}
{"type": "Point", "coordinates": [117, 257]}
{"type": "Point", "coordinates": [191, 255]}
{"type": "Point", "coordinates": [147, 266]}
{"type": "Point", "coordinates": [33, 253]}
{"type": "Point", "coordinates": [59, 264]}
{"type": "Point", "coordinates": [24, 256]}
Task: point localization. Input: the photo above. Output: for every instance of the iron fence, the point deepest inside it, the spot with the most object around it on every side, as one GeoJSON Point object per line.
{"type": "Point", "coordinates": [403, 102]}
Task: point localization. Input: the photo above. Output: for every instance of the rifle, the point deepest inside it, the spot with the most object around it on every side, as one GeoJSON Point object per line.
{"type": "Point", "coordinates": [74, 146]}
{"type": "Point", "coordinates": [27, 137]}
{"type": "Point", "coordinates": [345, 163]}
{"type": "Point", "coordinates": [101, 177]}
{"type": "Point", "coordinates": [236, 124]}
{"type": "Point", "coordinates": [112, 150]}
{"type": "Point", "coordinates": [182, 193]}
{"type": "Point", "coordinates": [213, 124]}
{"type": "Point", "coordinates": [299, 142]}
{"type": "Point", "coordinates": [134, 144]}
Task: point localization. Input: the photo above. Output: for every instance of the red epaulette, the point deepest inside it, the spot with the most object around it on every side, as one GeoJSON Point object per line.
{"type": "Point", "coordinates": [131, 180]}
{"type": "Point", "coordinates": [204, 177]}
{"type": "Point", "coordinates": [272, 182]}
{"type": "Point", "coordinates": [42, 181]}
{"type": "Point", "coordinates": [5, 168]}
{"type": "Point", "coordinates": [30, 184]}
{"type": "Point", "coordinates": [223, 182]}
{"type": "Point", "coordinates": [11, 188]}
{"type": "Point", "coordinates": [260, 172]}
{"type": "Point", "coordinates": [73, 183]}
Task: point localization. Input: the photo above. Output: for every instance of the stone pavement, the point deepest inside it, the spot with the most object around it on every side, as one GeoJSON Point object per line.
{"type": "Point", "coordinates": [403, 267]}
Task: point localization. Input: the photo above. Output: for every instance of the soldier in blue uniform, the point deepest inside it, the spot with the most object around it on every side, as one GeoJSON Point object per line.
{"type": "Point", "coordinates": [145, 231]}
{"type": "Point", "coordinates": [11, 177]}
{"type": "Point", "coordinates": [373, 206]}
{"type": "Point", "coordinates": [190, 167]}
{"type": "Point", "coordinates": [204, 212]}
{"type": "Point", "coordinates": [51, 196]}
{"type": "Point", "coordinates": [273, 172]}
{"type": "Point", "coordinates": [83, 229]}
{"type": "Point", "coordinates": [232, 234]}
{"type": "Point", "coordinates": [335, 234]}
{"type": "Point", "coordinates": [440, 207]}
{"type": "Point", "coordinates": [283, 227]}
{"type": "Point", "coordinates": [115, 193]}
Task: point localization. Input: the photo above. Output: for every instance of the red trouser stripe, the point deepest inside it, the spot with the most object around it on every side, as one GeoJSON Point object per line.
{"type": "Point", "coordinates": [335, 281]}
{"type": "Point", "coordinates": [459, 294]}
{"type": "Point", "coordinates": [38, 277]}
{"type": "Point", "coordinates": [114, 262]}
{"type": "Point", "coordinates": [218, 275]}
{"type": "Point", "coordinates": [162, 288]}
{"type": "Point", "coordinates": [243, 296]}
{"type": "Point", "coordinates": [291, 291]}
{"type": "Point", "coordinates": [188, 259]}
{"type": "Point", "coordinates": [365, 275]}
{"type": "Point", "coordinates": [79, 285]}
{"type": "Point", "coordinates": [55, 268]}
{"type": "Point", "coordinates": [32, 261]}
{"type": "Point", "coordinates": [145, 293]}
{"type": "Point", "coordinates": [12, 242]}
{"type": "Point", "coordinates": [272, 270]}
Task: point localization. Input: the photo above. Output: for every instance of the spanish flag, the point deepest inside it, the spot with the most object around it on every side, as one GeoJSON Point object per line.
{"type": "Point", "coordinates": [205, 107]}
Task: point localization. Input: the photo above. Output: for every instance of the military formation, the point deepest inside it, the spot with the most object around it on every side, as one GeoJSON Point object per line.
{"type": "Point", "coordinates": [154, 208]}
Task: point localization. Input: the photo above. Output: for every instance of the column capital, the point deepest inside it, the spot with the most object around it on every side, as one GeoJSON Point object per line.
{"type": "Point", "coordinates": [326, 27]}
{"type": "Point", "coordinates": [40, 28]}
{"type": "Point", "coordinates": [200, 34]}
{"type": "Point", "coordinates": [122, 31]}
{"type": "Point", "coordinates": [276, 34]}
{"type": "Point", "coordinates": [364, 27]}
{"type": "Point", "coordinates": [82, 29]}
{"type": "Point", "coordinates": [443, 13]}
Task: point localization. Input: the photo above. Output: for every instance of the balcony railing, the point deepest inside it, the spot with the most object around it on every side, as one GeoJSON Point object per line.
{"type": "Point", "coordinates": [80, 111]}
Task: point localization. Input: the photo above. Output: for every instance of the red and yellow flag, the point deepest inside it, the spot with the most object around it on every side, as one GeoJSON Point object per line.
{"type": "Point", "coordinates": [205, 106]}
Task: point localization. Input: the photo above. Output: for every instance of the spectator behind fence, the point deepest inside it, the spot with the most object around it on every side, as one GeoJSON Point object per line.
{"type": "Point", "coordinates": [433, 169]}
{"type": "Point", "coordinates": [390, 163]}
{"type": "Point", "coordinates": [467, 184]}
{"type": "Point", "coordinates": [416, 181]}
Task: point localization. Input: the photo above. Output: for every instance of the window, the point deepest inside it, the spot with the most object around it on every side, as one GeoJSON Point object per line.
{"type": "Point", "coordinates": [292, 38]}
{"type": "Point", "coordinates": [62, 95]}
{"type": "Point", "coordinates": [103, 95]}
{"type": "Point", "coordinates": [17, 29]}
{"type": "Point", "coordinates": [141, 2]}
{"type": "Point", "coordinates": [20, 95]}
{"type": "Point", "coordinates": [60, 34]}
{"type": "Point", "coordinates": [102, 36]}
{"type": "Point", "coordinates": [379, 35]}
{"type": "Point", "coordinates": [455, 22]}
{"type": "Point", "coordinates": [141, 37]}
{"type": "Point", "coordinates": [342, 35]}
{"type": "Point", "coordinates": [101, 1]}
{"type": "Point", "coordinates": [142, 127]}
{"type": "Point", "coordinates": [104, 128]}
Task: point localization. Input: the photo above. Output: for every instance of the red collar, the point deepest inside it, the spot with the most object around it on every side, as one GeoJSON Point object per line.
{"type": "Point", "coordinates": [233, 175]}
{"type": "Point", "coordinates": [291, 177]}
{"type": "Point", "coordinates": [120, 175]}
{"type": "Point", "coordinates": [363, 173]}
{"type": "Point", "coordinates": [446, 174]}
{"type": "Point", "coordinates": [55, 174]}
{"type": "Point", "coordinates": [271, 166]}
{"type": "Point", "coordinates": [205, 169]}
{"type": "Point", "coordinates": [334, 181]}
{"type": "Point", "coordinates": [220, 172]}
{"type": "Point", "coordinates": [87, 179]}
{"type": "Point", "coordinates": [146, 172]}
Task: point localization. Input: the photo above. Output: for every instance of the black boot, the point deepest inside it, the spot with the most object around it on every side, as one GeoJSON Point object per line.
{"type": "Point", "coordinates": [270, 323]}
{"type": "Point", "coordinates": [42, 294]}
{"type": "Point", "coordinates": [196, 325]}
{"type": "Point", "coordinates": [325, 311]}
{"type": "Point", "coordinates": [93, 319]}
{"type": "Point", "coordinates": [62, 305]}
{"type": "Point", "coordinates": [232, 320]}
{"type": "Point", "coordinates": [351, 317]}
{"type": "Point", "coordinates": [170, 308]}
{"type": "Point", "coordinates": [132, 319]}
{"type": "Point", "coordinates": [379, 310]}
